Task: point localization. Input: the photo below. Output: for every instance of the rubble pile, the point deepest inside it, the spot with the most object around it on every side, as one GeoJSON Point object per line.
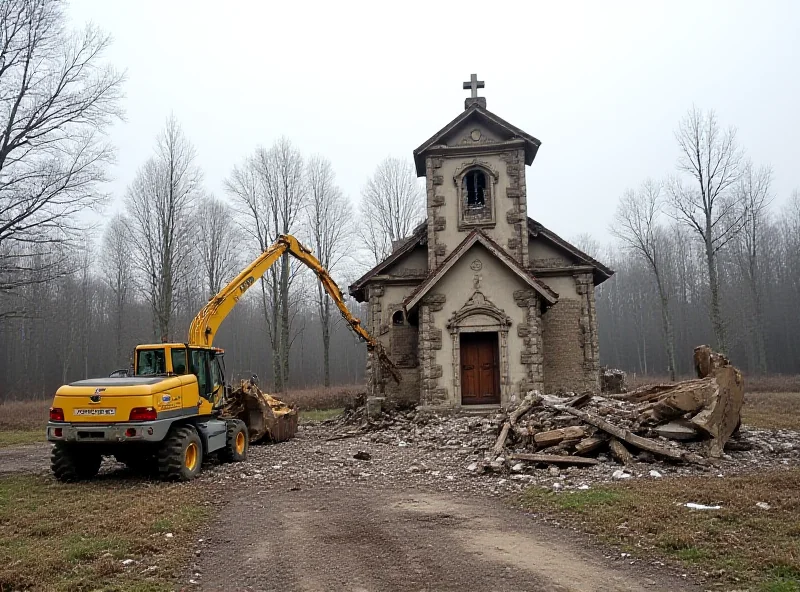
{"type": "Point", "coordinates": [683, 422]}
{"type": "Point", "coordinates": [612, 380]}
{"type": "Point", "coordinates": [686, 423]}
{"type": "Point", "coordinates": [267, 418]}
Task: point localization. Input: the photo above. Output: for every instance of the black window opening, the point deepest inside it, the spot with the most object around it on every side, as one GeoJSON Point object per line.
{"type": "Point", "coordinates": [475, 189]}
{"type": "Point", "coordinates": [397, 317]}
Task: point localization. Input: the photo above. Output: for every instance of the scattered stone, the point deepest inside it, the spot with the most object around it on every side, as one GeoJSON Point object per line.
{"type": "Point", "coordinates": [655, 474]}
{"type": "Point", "coordinates": [620, 474]}
{"type": "Point", "coordinates": [763, 505]}
{"type": "Point", "coordinates": [695, 506]}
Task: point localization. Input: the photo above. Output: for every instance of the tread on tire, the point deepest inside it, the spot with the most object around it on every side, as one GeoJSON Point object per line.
{"type": "Point", "coordinates": [233, 452]}
{"type": "Point", "coordinates": [74, 463]}
{"type": "Point", "coordinates": [172, 454]}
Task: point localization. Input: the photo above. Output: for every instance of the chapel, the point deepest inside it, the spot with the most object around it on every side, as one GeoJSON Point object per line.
{"type": "Point", "coordinates": [482, 303]}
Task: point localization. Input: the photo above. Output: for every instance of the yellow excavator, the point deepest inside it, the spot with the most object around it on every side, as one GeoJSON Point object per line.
{"type": "Point", "coordinates": [167, 416]}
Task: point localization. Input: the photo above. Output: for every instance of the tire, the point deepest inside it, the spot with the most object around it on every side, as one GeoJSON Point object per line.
{"type": "Point", "coordinates": [237, 441]}
{"type": "Point", "coordinates": [180, 456]}
{"type": "Point", "coordinates": [74, 463]}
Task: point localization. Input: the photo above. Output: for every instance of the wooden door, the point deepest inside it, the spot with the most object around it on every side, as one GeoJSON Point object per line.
{"type": "Point", "coordinates": [480, 369]}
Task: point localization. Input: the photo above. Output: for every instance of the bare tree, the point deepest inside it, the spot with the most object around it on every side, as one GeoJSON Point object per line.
{"type": "Point", "coordinates": [754, 196]}
{"type": "Point", "coordinates": [392, 204]}
{"type": "Point", "coordinates": [57, 99]}
{"type": "Point", "coordinates": [271, 189]}
{"type": "Point", "coordinates": [713, 161]}
{"type": "Point", "coordinates": [117, 275]}
{"type": "Point", "coordinates": [636, 225]}
{"type": "Point", "coordinates": [217, 243]}
{"type": "Point", "coordinates": [159, 204]}
{"type": "Point", "coordinates": [329, 219]}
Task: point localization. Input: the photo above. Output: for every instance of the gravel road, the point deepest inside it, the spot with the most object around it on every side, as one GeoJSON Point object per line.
{"type": "Point", "coordinates": [307, 516]}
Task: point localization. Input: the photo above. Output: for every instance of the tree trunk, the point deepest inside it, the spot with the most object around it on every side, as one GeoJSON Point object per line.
{"type": "Point", "coordinates": [669, 338]}
{"type": "Point", "coordinates": [284, 311]}
{"type": "Point", "coordinates": [713, 284]}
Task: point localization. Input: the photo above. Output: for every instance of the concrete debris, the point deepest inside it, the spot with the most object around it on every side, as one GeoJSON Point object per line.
{"type": "Point", "coordinates": [577, 438]}
{"type": "Point", "coordinates": [763, 505]}
{"type": "Point", "coordinates": [612, 380]}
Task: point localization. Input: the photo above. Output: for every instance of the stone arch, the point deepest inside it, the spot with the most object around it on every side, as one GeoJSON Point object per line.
{"type": "Point", "coordinates": [470, 214]}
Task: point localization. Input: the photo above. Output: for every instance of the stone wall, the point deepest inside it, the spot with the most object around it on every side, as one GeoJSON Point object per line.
{"type": "Point", "coordinates": [435, 208]}
{"type": "Point", "coordinates": [517, 211]}
{"type": "Point", "coordinates": [563, 354]}
{"type": "Point", "coordinates": [584, 285]}
{"type": "Point", "coordinates": [530, 332]}
{"type": "Point", "coordinates": [430, 342]}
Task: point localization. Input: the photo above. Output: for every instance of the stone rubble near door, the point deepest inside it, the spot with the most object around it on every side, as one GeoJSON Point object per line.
{"type": "Point", "coordinates": [686, 427]}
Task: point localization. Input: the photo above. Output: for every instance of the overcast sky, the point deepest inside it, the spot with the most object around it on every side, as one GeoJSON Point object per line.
{"type": "Point", "coordinates": [601, 84]}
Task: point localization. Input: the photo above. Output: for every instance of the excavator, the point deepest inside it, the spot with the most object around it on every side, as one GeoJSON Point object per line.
{"type": "Point", "coordinates": [168, 416]}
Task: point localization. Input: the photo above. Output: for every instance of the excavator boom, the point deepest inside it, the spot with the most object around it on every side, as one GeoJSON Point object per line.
{"type": "Point", "coordinates": [205, 325]}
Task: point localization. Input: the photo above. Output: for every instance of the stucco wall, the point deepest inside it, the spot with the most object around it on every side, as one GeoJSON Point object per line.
{"type": "Point", "coordinates": [413, 263]}
{"type": "Point", "coordinates": [543, 254]}
{"type": "Point", "coordinates": [498, 284]}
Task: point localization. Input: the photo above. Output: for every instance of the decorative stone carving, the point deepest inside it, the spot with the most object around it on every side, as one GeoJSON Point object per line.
{"type": "Point", "coordinates": [480, 314]}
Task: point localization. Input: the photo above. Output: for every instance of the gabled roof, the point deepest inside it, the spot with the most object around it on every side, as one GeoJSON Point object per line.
{"type": "Point", "coordinates": [536, 229]}
{"type": "Point", "coordinates": [418, 237]}
{"type": "Point", "coordinates": [476, 236]}
{"type": "Point", "coordinates": [479, 114]}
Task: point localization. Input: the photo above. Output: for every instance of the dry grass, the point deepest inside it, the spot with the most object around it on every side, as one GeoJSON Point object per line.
{"type": "Point", "coordinates": [24, 415]}
{"type": "Point", "coordinates": [739, 545]}
{"type": "Point", "coordinates": [75, 537]}
{"type": "Point", "coordinates": [770, 383]}
{"type": "Point", "coordinates": [772, 410]}
{"type": "Point", "coordinates": [335, 397]}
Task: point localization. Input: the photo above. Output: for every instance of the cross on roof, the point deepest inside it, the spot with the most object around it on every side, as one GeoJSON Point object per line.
{"type": "Point", "coordinates": [474, 84]}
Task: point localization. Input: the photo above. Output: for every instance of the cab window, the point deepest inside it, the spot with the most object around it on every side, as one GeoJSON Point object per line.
{"type": "Point", "coordinates": [200, 369]}
{"type": "Point", "coordinates": [150, 361]}
{"type": "Point", "coordinates": [217, 378]}
{"type": "Point", "coordinates": [179, 361]}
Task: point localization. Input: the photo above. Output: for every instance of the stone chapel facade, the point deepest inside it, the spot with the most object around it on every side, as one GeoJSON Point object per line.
{"type": "Point", "coordinates": [482, 303]}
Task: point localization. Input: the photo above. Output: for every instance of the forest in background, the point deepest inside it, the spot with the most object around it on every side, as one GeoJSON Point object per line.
{"type": "Point", "coordinates": [701, 256]}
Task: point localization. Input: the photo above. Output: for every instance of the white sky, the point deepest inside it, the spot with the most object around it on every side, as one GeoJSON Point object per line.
{"type": "Point", "coordinates": [601, 84]}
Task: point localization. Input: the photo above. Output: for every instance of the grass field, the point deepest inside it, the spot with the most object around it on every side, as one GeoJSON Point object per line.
{"type": "Point", "coordinates": [772, 410]}
{"type": "Point", "coordinates": [23, 422]}
{"type": "Point", "coordinates": [112, 534]}
{"type": "Point", "coordinates": [740, 546]}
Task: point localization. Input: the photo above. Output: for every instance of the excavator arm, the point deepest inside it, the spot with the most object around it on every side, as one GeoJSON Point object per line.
{"type": "Point", "coordinates": [205, 325]}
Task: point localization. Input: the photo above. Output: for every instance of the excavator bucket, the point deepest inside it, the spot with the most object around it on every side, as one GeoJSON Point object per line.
{"type": "Point", "coordinates": [267, 418]}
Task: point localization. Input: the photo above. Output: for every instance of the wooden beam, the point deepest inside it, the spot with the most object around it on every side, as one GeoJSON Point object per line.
{"type": "Point", "coordinates": [555, 459]}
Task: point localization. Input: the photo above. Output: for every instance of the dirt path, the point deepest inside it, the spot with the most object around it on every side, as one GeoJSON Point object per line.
{"type": "Point", "coordinates": [28, 458]}
{"type": "Point", "coordinates": [361, 539]}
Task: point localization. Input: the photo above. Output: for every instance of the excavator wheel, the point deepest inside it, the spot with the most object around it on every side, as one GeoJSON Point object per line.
{"type": "Point", "coordinates": [237, 442]}
{"type": "Point", "coordinates": [73, 463]}
{"type": "Point", "coordinates": [181, 455]}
